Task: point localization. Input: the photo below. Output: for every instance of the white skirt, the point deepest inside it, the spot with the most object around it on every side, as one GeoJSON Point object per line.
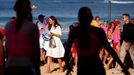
{"type": "Point", "coordinates": [57, 52]}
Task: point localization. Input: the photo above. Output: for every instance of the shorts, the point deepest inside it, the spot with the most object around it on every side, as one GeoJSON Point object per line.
{"type": "Point", "coordinates": [115, 44]}
{"type": "Point", "coordinates": [43, 50]}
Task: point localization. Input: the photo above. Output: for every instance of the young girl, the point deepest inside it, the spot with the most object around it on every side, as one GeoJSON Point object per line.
{"type": "Point", "coordinates": [110, 40]}
{"type": "Point", "coordinates": [74, 53]}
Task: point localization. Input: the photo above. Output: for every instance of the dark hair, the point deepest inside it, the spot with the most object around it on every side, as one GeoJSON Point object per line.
{"type": "Point", "coordinates": [55, 21]}
{"type": "Point", "coordinates": [13, 17]}
{"type": "Point", "coordinates": [85, 17]}
{"type": "Point", "coordinates": [23, 11]}
{"type": "Point", "coordinates": [110, 24]}
{"type": "Point", "coordinates": [41, 16]}
{"type": "Point", "coordinates": [126, 14]}
{"type": "Point", "coordinates": [71, 27]}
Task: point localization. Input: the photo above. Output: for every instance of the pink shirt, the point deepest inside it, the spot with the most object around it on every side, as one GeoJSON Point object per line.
{"type": "Point", "coordinates": [115, 36]}
{"type": "Point", "coordinates": [105, 28]}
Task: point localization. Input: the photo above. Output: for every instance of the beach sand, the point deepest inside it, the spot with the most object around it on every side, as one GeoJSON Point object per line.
{"type": "Point", "coordinates": [55, 70]}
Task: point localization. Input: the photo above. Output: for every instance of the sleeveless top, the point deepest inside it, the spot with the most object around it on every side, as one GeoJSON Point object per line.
{"type": "Point", "coordinates": [19, 45]}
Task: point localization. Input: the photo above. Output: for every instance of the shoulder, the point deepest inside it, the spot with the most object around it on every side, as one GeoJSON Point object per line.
{"type": "Point", "coordinates": [97, 29]}
{"type": "Point", "coordinates": [8, 25]}
{"type": "Point", "coordinates": [37, 22]}
{"type": "Point", "coordinates": [99, 32]}
{"type": "Point", "coordinates": [58, 27]}
{"type": "Point", "coordinates": [30, 27]}
{"type": "Point", "coordinates": [74, 32]}
{"type": "Point", "coordinates": [30, 24]}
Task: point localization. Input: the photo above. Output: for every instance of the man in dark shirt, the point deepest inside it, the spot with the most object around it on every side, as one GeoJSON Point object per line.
{"type": "Point", "coordinates": [127, 48]}
{"type": "Point", "coordinates": [132, 20]}
{"type": "Point", "coordinates": [127, 28]}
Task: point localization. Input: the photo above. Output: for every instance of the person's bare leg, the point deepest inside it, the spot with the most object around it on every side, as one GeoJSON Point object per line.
{"type": "Point", "coordinates": [131, 51]}
{"type": "Point", "coordinates": [105, 57]}
{"type": "Point", "coordinates": [101, 53]}
{"type": "Point", "coordinates": [49, 60]}
{"type": "Point", "coordinates": [44, 57]}
{"type": "Point", "coordinates": [41, 55]}
{"type": "Point", "coordinates": [60, 65]}
{"type": "Point", "coordinates": [110, 62]}
{"type": "Point", "coordinates": [118, 53]}
{"type": "Point", "coordinates": [76, 60]}
{"type": "Point", "coordinates": [118, 50]}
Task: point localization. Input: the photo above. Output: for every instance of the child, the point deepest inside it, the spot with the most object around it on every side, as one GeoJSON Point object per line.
{"type": "Point", "coordinates": [74, 54]}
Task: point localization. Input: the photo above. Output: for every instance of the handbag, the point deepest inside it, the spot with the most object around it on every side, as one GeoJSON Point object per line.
{"type": "Point", "coordinates": [52, 43]}
{"type": "Point", "coordinates": [45, 38]}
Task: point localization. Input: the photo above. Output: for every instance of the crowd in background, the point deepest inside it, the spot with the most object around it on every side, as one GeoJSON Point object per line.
{"type": "Point", "coordinates": [28, 45]}
{"type": "Point", "coordinates": [114, 34]}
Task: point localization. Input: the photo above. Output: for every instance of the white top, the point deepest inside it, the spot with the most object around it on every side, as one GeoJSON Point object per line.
{"type": "Point", "coordinates": [44, 43]}
{"type": "Point", "coordinates": [40, 25]}
{"type": "Point", "coordinates": [59, 50]}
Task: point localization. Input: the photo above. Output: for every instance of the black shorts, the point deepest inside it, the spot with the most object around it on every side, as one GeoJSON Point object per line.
{"type": "Point", "coordinates": [43, 50]}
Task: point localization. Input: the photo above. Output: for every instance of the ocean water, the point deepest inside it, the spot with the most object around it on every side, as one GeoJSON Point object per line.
{"type": "Point", "coordinates": [66, 10]}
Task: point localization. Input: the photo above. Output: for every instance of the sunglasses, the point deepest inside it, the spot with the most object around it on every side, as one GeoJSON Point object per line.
{"type": "Point", "coordinates": [123, 17]}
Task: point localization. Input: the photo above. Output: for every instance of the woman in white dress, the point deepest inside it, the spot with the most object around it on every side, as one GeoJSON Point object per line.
{"type": "Point", "coordinates": [58, 51]}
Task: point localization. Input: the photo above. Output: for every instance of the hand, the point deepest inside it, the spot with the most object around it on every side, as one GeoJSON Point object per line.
{"type": "Point", "coordinates": [50, 35]}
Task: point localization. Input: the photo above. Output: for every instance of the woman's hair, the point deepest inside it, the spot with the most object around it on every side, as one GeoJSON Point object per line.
{"type": "Point", "coordinates": [110, 24]}
{"type": "Point", "coordinates": [85, 17]}
{"type": "Point", "coordinates": [23, 11]}
{"type": "Point", "coordinates": [55, 21]}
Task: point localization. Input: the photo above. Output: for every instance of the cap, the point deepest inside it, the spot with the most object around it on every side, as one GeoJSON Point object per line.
{"type": "Point", "coordinates": [41, 16]}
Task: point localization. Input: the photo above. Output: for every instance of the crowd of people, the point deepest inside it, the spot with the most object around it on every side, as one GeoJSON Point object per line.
{"type": "Point", "coordinates": [92, 45]}
{"type": "Point", "coordinates": [115, 35]}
